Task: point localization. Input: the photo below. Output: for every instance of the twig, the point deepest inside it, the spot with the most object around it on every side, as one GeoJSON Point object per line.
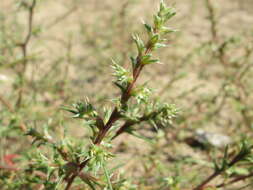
{"type": "Point", "coordinates": [115, 116]}
{"type": "Point", "coordinates": [6, 104]}
{"type": "Point", "coordinates": [62, 17]}
{"type": "Point", "coordinates": [23, 46]}
{"type": "Point", "coordinates": [218, 172]}
{"type": "Point", "coordinates": [138, 63]}
{"type": "Point", "coordinates": [240, 178]}
{"type": "Point", "coordinates": [213, 20]}
{"type": "Point", "coordinates": [22, 125]}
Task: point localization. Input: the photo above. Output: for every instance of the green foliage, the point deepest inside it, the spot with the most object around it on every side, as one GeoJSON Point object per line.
{"type": "Point", "coordinates": [80, 152]}
{"type": "Point", "coordinates": [94, 159]}
{"type": "Point", "coordinates": [123, 77]}
{"type": "Point", "coordinates": [82, 110]}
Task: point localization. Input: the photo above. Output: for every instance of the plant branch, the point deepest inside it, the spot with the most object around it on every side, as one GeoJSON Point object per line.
{"type": "Point", "coordinates": [240, 156]}
{"type": "Point", "coordinates": [23, 46]}
{"type": "Point", "coordinates": [143, 58]}
{"type": "Point", "coordinates": [240, 178]}
{"type": "Point", "coordinates": [6, 104]}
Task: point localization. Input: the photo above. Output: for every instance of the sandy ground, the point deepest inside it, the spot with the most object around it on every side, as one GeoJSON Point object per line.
{"type": "Point", "coordinates": [95, 33]}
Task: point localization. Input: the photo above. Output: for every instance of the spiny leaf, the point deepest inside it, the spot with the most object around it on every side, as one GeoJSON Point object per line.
{"type": "Point", "coordinates": [139, 43]}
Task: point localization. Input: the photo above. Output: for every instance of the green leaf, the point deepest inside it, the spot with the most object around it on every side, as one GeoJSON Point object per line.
{"type": "Point", "coordinates": [155, 38]}
{"type": "Point", "coordinates": [120, 86]}
{"type": "Point", "coordinates": [107, 176]}
{"type": "Point", "coordinates": [131, 131]}
{"type": "Point", "coordinates": [81, 109]}
{"type": "Point", "coordinates": [88, 182]}
{"type": "Point", "coordinates": [158, 21]}
{"type": "Point", "coordinates": [162, 6]}
{"type": "Point", "coordinates": [123, 76]}
{"type": "Point", "coordinates": [224, 164]}
{"type": "Point", "coordinates": [148, 28]}
{"type": "Point", "coordinates": [147, 59]}
{"type": "Point", "coordinates": [139, 43]}
{"type": "Point", "coordinates": [142, 94]}
{"type": "Point", "coordinates": [238, 171]}
{"type": "Point", "coordinates": [159, 45]}
{"type": "Point", "coordinates": [34, 133]}
{"type": "Point", "coordinates": [134, 62]}
{"type": "Point", "coordinates": [170, 12]}
{"type": "Point", "coordinates": [166, 30]}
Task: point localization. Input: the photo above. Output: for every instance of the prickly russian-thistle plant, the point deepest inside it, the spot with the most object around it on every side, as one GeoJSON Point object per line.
{"type": "Point", "coordinates": [78, 163]}
{"type": "Point", "coordinates": [75, 160]}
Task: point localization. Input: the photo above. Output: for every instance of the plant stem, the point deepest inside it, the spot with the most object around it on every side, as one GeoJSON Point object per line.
{"type": "Point", "coordinates": [124, 99]}
{"type": "Point", "coordinates": [206, 181]}
{"type": "Point", "coordinates": [115, 116]}
{"type": "Point", "coordinates": [22, 125]}
{"type": "Point", "coordinates": [216, 173]}
{"type": "Point", "coordinates": [7, 104]}
{"type": "Point", "coordinates": [213, 20]}
{"type": "Point", "coordinates": [240, 178]}
{"type": "Point", "coordinates": [70, 181]}
{"type": "Point", "coordinates": [23, 46]}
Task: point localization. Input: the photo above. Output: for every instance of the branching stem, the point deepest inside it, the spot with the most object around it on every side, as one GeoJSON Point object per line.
{"type": "Point", "coordinates": [24, 46]}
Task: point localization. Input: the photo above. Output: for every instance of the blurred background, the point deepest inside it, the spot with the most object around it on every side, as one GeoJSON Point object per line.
{"type": "Point", "coordinates": [206, 72]}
